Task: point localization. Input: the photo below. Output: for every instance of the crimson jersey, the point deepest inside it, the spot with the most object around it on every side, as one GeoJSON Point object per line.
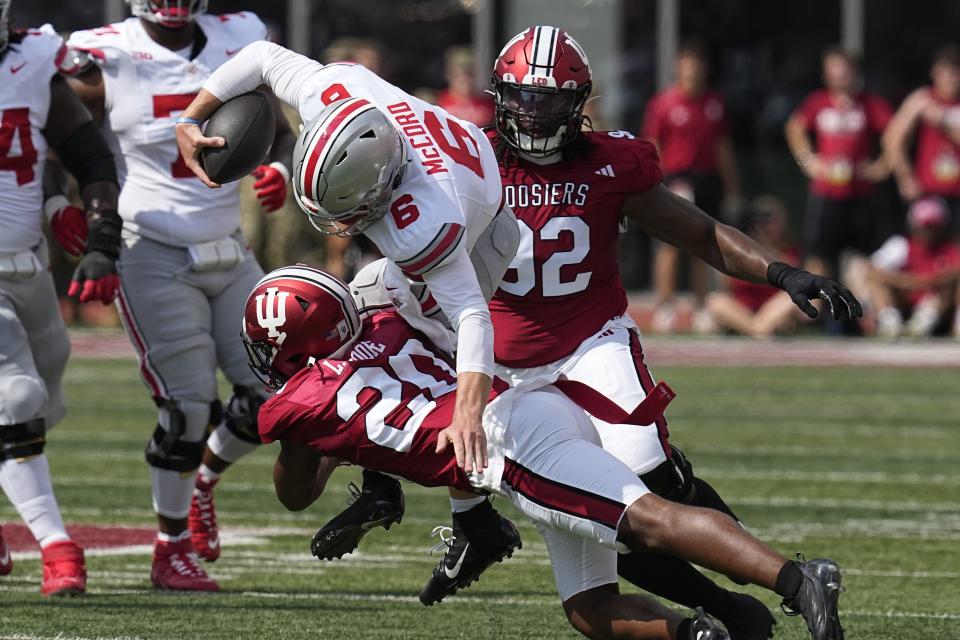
{"type": "Point", "coordinates": [565, 283]}
{"type": "Point", "coordinates": [381, 407]}
{"type": "Point", "coordinates": [846, 136]}
{"type": "Point", "coordinates": [937, 163]}
{"type": "Point", "coordinates": [687, 129]}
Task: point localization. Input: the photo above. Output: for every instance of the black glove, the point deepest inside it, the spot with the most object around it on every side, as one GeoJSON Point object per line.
{"type": "Point", "coordinates": [95, 278]}
{"type": "Point", "coordinates": [804, 286]}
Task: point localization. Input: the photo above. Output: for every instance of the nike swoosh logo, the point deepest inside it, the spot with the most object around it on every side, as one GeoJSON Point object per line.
{"type": "Point", "coordinates": [15, 69]}
{"type": "Point", "coordinates": [452, 574]}
{"type": "Point", "coordinates": [5, 560]}
{"type": "Point", "coordinates": [213, 544]}
{"type": "Point", "coordinates": [230, 52]}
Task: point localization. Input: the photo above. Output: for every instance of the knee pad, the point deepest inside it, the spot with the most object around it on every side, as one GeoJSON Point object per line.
{"type": "Point", "coordinates": [22, 440]}
{"type": "Point", "coordinates": [672, 479]}
{"type": "Point", "coordinates": [240, 414]}
{"type": "Point", "coordinates": [22, 398]}
{"type": "Point", "coordinates": [177, 442]}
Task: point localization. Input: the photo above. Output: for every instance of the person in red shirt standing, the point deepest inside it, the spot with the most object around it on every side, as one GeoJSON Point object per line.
{"type": "Point", "coordinates": [688, 124]}
{"type": "Point", "coordinates": [460, 98]}
{"type": "Point", "coordinates": [840, 161]}
{"type": "Point", "coordinates": [934, 113]}
{"type": "Point", "coordinates": [755, 309]}
{"type": "Point", "coordinates": [918, 274]}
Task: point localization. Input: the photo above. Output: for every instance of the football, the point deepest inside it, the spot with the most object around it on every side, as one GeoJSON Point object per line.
{"type": "Point", "coordinates": [247, 125]}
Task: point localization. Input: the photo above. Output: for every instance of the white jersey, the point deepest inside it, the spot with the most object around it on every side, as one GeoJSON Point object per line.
{"type": "Point", "coordinates": [146, 87]}
{"type": "Point", "coordinates": [451, 190]}
{"type": "Point", "coordinates": [27, 67]}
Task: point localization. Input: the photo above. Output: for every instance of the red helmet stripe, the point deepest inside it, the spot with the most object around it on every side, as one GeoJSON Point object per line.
{"type": "Point", "coordinates": [338, 119]}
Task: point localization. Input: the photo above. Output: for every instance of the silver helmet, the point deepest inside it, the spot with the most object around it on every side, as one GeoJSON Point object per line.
{"type": "Point", "coordinates": [4, 24]}
{"type": "Point", "coordinates": [347, 162]}
{"type": "Point", "coordinates": [168, 13]}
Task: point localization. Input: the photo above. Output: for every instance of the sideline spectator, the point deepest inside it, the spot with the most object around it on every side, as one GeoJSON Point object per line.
{"type": "Point", "coordinates": [760, 310]}
{"type": "Point", "coordinates": [841, 161]}
{"type": "Point", "coordinates": [461, 98]}
{"type": "Point", "coordinates": [918, 274]}
{"type": "Point", "coordinates": [689, 126]}
{"type": "Point", "coordinates": [933, 112]}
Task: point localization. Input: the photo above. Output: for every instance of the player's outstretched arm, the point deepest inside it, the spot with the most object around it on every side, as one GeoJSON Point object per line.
{"type": "Point", "coordinates": [81, 148]}
{"type": "Point", "coordinates": [300, 474]}
{"type": "Point", "coordinates": [679, 222]}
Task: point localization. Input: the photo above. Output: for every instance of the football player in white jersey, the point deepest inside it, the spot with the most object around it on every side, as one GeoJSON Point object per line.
{"type": "Point", "coordinates": [184, 267]}
{"type": "Point", "coordinates": [421, 184]}
{"type": "Point", "coordinates": [38, 109]}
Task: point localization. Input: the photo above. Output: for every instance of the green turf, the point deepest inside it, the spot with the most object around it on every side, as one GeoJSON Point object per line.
{"type": "Point", "coordinates": [859, 464]}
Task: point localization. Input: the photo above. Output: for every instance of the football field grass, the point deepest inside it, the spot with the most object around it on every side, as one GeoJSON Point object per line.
{"type": "Point", "coordinates": [860, 464]}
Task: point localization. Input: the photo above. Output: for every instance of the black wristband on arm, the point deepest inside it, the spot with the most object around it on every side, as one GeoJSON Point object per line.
{"type": "Point", "coordinates": [86, 155]}
{"type": "Point", "coordinates": [104, 233]}
{"type": "Point", "coordinates": [777, 271]}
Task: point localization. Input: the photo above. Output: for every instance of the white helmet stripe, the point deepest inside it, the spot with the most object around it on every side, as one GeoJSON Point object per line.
{"type": "Point", "coordinates": [544, 51]}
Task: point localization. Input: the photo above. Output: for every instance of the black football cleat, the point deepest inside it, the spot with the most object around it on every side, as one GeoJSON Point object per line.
{"type": "Point", "coordinates": [468, 555]}
{"type": "Point", "coordinates": [704, 628]}
{"type": "Point", "coordinates": [818, 599]}
{"type": "Point", "coordinates": [748, 618]}
{"type": "Point", "coordinates": [379, 504]}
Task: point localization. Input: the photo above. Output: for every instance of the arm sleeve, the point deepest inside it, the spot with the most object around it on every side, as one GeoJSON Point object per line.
{"type": "Point", "coordinates": [262, 62]}
{"type": "Point", "coordinates": [455, 287]}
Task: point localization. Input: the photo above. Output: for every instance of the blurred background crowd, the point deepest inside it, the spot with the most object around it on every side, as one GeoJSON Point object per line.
{"type": "Point", "coordinates": [829, 130]}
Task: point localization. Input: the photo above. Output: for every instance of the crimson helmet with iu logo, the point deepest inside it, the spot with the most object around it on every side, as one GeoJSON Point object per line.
{"type": "Point", "coordinates": [541, 82]}
{"type": "Point", "coordinates": [294, 314]}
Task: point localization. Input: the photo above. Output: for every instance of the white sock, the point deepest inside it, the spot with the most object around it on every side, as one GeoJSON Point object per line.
{"type": "Point", "coordinates": [207, 474]}
{"type": "Point", "coordinates": [459, 506]}
{"type": "Point", "coordinates": [166, 537]}
{"type": "Point", "coordinates": [227, 446]}
{"type": "Point", "coordinates": [28, 486]}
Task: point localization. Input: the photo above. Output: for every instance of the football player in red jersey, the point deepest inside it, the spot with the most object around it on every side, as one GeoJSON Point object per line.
{"type": "Point", "coordinates": [561, 309]}
{"type": "Point", "coordinates": [362, 385]}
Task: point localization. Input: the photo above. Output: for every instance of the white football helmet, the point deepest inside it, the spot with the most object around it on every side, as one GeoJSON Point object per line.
{"type": "Point", "coordinates": [168, 13]}
{"type": "Point", "coordinates": [346, 164]}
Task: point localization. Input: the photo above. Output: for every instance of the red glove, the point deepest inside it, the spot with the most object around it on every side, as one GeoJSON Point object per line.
{"type": "Point", "coordinates": [271, 185]}
{"type": "Point", "coordinates": [68, 223]}
{"type": "Point", "coordinates": [95, 278]}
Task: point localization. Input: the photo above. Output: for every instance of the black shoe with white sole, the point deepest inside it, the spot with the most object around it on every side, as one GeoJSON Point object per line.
{"type": "Point", "coordinates": [469, 553]}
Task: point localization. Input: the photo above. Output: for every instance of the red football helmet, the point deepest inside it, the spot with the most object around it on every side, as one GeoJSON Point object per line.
{"type": "Point", "coordinates": [168, 13]}
{"type": "Point", "coordinates": [294, 314]}
{"type": "Point", "coordinates": [541, 82]}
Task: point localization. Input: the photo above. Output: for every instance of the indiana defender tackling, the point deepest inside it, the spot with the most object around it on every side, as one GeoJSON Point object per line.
{"type": "Point", "coordinates": [184, 266]}
{"type": "Point", "coordinates": [38, 109]}
{"type": "Point", "coordinates": [379, 394]}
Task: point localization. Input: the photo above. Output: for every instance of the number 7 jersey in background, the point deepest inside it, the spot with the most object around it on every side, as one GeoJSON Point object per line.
{"type": "Point", "coordinates": [564, 284]}
{"type": "Point", "coordinates": [146, 87]}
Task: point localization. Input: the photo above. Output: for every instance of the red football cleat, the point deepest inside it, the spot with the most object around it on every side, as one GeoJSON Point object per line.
{"type": "Point", "coordinates": [6, 562]}
{"type": "Point", "coordinates": [64, 570]}
{"type": "Point", "coordinates": [175, 567]}
{"type": "Point", "coordinates": [203, 521]}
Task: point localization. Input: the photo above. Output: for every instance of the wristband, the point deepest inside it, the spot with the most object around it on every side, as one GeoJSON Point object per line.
{"type": "Point", "coordinates": [282, 168]}
{"type": "Point", "coordinates": [53, 204]}
{"type": "Point", "coordinates": [185, 120]}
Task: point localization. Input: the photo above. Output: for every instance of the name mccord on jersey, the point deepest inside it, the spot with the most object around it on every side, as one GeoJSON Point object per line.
{"type": "Point", "coordinates": [545, 195]}
{"type": "Point", "coordinates": [420, 140]}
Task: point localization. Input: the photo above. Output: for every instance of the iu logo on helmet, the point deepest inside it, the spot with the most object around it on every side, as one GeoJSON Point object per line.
{"type": "Point", "coordinates": [273, 314]}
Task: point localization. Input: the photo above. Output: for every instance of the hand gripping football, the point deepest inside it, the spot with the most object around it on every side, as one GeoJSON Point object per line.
{"type": "Point", "coordinates": [247, 124]}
